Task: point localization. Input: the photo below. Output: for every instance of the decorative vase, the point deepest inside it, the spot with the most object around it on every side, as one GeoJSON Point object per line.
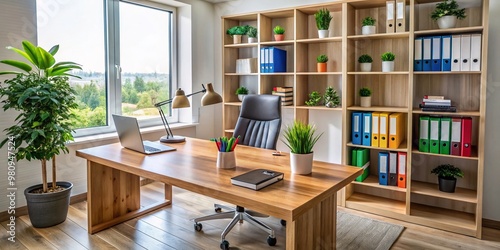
{"type": "Point", "coordinates": [447, 22]}
{"type": "Point", "coordinates": [301, 163]}
{"type": "Point", "coordinates": [252, 39]}
{"type": "Point", "coordinates": [366, 101]}
{"type": "Point", "coordinates": [321, 67]}
{"type": "Point", "coordinates": [241, 97]}
{"type": "Point", "coordinates": [365, 67]}
{"type": "Point", "coordinates": [368, 30]}
{"type": "Point", "coordinates": [387, 66]}
{"type": "Point", "coordinates": [323, 33]}
{"type": "Point", "coordinates": [48, 209]}
{"type": "Point", "coordinates": [447, 185]}
{"type": "Point", "coordinates": [279, 37]}
{"type": "Point", "coordinates": [236, 39]}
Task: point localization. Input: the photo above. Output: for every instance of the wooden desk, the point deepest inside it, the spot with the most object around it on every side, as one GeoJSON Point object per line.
{"type": "Point", "coordinates": [307, 203]}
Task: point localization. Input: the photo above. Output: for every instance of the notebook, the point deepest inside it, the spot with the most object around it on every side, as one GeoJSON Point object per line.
{"type": "Point", "coordinates": [257, 179]}
{"type": "Point", "coordinates": [130, 136]}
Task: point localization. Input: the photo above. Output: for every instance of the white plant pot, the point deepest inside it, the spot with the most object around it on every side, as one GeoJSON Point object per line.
{"type": "Point", "coordinates": [236, 39]}
{"type": "Point", "coordinates": [366, 101]}
{"type": "Point", "coordinates": [252, 39]}
{"type": "Point", "coordinates": [365, 67]}
{"type": "Point", "coordinates": [241, 97]}
{"type": "Point", "coordinates": [323, 33]}
{"type": "Point", "coordinates": [301, 163]}
{"type": "Point", "coordinates": [368, 30]}
{"type": "Point", "coordinates": [447, 22]}
{"type": "Point", "coordinates": [387, 66]}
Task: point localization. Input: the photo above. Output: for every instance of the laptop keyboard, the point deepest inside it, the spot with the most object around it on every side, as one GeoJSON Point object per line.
{"type": "Point", "coordinates": [151, 149]}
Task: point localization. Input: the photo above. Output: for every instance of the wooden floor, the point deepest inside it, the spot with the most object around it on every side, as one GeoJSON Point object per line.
{"type": "Point", "coordinates": [172, 228]}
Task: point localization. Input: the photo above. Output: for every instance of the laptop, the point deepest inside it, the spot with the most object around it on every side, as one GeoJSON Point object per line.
{"type": "Point", "coordinates": [130, 136]}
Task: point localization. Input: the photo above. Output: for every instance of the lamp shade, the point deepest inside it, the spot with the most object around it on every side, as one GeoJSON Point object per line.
{"type": "Point", "coordinates": [210, 97]}
{"type": "Point", "coordinates": [180, 100]}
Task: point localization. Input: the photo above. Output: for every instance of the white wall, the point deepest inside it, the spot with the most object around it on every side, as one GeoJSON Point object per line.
{"type": "Point", "coordinates": [492, 158]}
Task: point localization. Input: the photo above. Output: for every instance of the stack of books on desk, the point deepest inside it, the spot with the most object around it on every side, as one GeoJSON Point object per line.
{"type": "Point", "coordinates": [286, 94]}
{"type": "Point", "coordinates": [437, 104]}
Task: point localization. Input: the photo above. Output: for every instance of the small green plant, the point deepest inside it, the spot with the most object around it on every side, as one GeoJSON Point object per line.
{"type": "Point", "coordinates": [242, 91]}
{"type": "Point", "coordinates": [252, 32]}
{"type": "Point", "coordinates": [237, 30]}
{"type": "Point", "coordinates": [369, 21]}
{"type": "Point", "coordinates": [322, 58]}
{"type": "Point", "coordinates": [365, 92]}
{"type": "Point", "coordinates": [323, 19]}
{"type": "Point", "coordinates": [447, 171]}
{"type": "Point", "coordinates": [448, 8]}
{"type": "Point", "coordinates": [331, 97]}
{"type": "Point", "coordinates": [314, 99]}
{"type": "Point", "coordinates": [300, 137]}
{"type": "Point", "coordinates": [365, 59]}
{"type": "Point", "coordinates": [278, 30]}
{"type": "Point", "coordinates": [388, 56]}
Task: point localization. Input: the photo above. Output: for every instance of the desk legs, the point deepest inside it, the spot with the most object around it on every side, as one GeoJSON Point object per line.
{"type": "Point", "coordinates": [113, 196]}
{"type": "Point", "coordinates": [316, 228]}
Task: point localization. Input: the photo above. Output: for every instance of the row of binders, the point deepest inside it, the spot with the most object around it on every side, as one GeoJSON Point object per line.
{"type": "Point", "coordinates": [286, 94]}
{"type": "Point", "coordinates": [272, 60]}
{"type": "Point", "coordinates": [392, 169]}
{"type": "Point", "coordinates": [445, 135]}
{"type": "Point", "coordinates": [396, 16]}
{"type": "Point", "coordinates": [448, 53]}
{"type": "Point", "coordinates": [378, 129]}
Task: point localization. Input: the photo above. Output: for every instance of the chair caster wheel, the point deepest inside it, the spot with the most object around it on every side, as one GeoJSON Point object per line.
{"type": "Point", "coordinates": [198, 227]}
{"type": "Point", "coordinates": [218, 209]}
{"type": "Point", "coordinates": [283, 222]}
{"type": "Point", "coordinates": [271, 241]}
{"type": "Point", "coordinates": [224, 245]}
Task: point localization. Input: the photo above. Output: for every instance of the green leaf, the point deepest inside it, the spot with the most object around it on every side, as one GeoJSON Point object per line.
{"type": "Point", "coordinates": [10, 72]}
{"type": "Point", "coordinates": [54, 49]}
{"type": "Point", "coordinates": [34, 135]}
{"type": "Point", "coordinates": [36, 124]}
{"type": "Point", "coordinates": [18, 64]}
{"type": "Point", "coordinates": [22, 53]}
{"type": "Point", "coordinates": [31, 52]}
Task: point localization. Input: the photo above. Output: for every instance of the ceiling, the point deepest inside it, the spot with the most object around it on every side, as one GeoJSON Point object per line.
{"type": "Point", "coordinates": [217, 1]}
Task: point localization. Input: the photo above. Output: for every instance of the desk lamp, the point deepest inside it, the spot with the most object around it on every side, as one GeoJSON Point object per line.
{"type": "Point", "coordinates": [181, 101]}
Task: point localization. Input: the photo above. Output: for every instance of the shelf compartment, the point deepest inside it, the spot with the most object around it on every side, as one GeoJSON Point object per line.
{"type": "Point", "coordinates": [473, 156]}
{"type": "Point", "coordinates": [431, 189]}
{"type": "Point", "coordinates": [308, 52]}
{"type": "Point", "coordinates": [306, 23]}
{"type": "Point", "coordinates": [321, 40]}
{"type": "Point", "coordinates": [402, 148]}
{"type": "Point", "coordinates": [372, 181]}
{"type": "Point", "coordinates": [379, 109]}
{"type": "Point", "coordinates": [378, 205]}
{"type": "Point", "coordinates": [424, 25]}
{"type": "Point", "coordinates": [230, 21]}
{"type": "Point", "coordinates": [379, 36]}
{"type": "Point", "coordinates": [458, 113]}
{"type": "Point", "coordinates": [319, 108]}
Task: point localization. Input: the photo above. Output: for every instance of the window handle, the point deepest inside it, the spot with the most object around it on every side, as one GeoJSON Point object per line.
{"type": "Point", "coordinates": [118, 72]}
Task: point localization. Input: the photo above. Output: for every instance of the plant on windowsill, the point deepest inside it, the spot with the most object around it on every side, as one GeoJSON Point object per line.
{"type": "Point", "coordinates": [241, 92]}
{"type": "Point", "coordinates": [41, 93]}
{"type": "Point", "coordinates": [314, 99]}
{"type": "Point", "coordinates": [236, 32]}
{"type": "Point", "coordinates": [321, 60]}
{"type": "Point", "coordinates": [388, 62]}
{"type": "Point", "coordinates": [252, 34]}
{"type": "Point", "coordinates": [447, 177]}
{"type": "Point", "coordinates": [323, 19]}
{"type": "Point", "coordinates": [279, 33]}
{"type": "Point", "coordinates": [300, 139]}
{"type": "Point", "coordinates": [365, 97]}
{"type": "Point", "coordinates": [368, 26]}
{"type": "Point", "coordinates": [331, 97]}
{"type": "Point", "coordinates": [447, 13]}
{"type": "Point", "coordinates": [365, 63]}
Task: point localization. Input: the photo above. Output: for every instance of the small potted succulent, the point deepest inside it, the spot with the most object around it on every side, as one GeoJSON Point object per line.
{"type": "Point", "coordinates": [368, 26]}
{"type": "Point", "coordinates": [279, 33]}
{"type": "Point", "coordinates": [365, 97]}
{"type": "Point", "coordinates": [388, 62]}
{"type": "Point", "coordinates": [314, 99]}
{"type": "Point", "coordinates": [447, 177]}
{"type": "Point", "coordinates": [447, 13]}
{"type": "Point", "coordinates": [321, 59]}
{"type": "Point", "coordinates": [252, 34]}
{"type": "Point", "coordinates": [365, 63]}
{"type": "Point", "coordinates": [323, 19]}
{"type": "Point", "coordinates": [331, 97]}
{"type": "Point", "coordinates": [236, 32]}
{"type": "Point", "coordinates": [241, 92]}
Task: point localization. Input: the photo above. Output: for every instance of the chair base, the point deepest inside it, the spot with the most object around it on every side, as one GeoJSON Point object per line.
{"type": "Point", "coordinates": [238, 215]}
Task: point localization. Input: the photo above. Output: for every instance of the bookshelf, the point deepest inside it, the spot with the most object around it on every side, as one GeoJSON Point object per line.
{"type": "Point", "coordinates": [398, 91]}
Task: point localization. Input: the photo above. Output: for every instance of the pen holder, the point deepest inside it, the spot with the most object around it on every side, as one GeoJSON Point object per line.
{"type": "Point", "coordinates": [226, 160]}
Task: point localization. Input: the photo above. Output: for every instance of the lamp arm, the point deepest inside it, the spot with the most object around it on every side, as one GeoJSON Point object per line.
{"type": "Point", "coordinates": [201, 91]}
{"type": "Point", "coordinates": [165, 122]}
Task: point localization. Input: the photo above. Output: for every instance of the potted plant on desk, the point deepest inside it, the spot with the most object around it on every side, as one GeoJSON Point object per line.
{"type": "Point", "coordinates": [447, 13]}
{"type": "Point", "coordinates": [300, 139]}
{"type": "Point", "coordinates": [43, 97]}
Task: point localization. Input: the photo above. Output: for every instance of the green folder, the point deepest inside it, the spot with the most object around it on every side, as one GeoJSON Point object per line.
{"type": "Point", "coordinates": [434, 134]}
{"type": "Point", "coordinates": [445, 137]}
{"type": "Point", "coordinates": [423, 142]}
{"type": "Point", "coordinates": [361, 158]}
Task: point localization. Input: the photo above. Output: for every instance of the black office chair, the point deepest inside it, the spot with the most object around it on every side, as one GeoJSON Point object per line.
{"type": "Point", "coordinates": [259, 126]}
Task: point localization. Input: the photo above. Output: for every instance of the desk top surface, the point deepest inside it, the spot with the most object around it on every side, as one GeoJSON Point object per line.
{"type": "Point", "coordinates": [193, 167]}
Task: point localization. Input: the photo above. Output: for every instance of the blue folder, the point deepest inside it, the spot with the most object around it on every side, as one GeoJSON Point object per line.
{"type": "Point", "coordinates": [417, 63]}
{"type": "Point", "coordinates": [357, 127]}
{"type": "Point", "coordinates": [383, 168]}
{"type": "Point", "coordinates": [277, 60]}
{"type": "Point", "coordinates": [427, 53]}
{"type": "Point", "coordinates": [367, 129]}
{"type": "Point", "coordinates": [446, 53]}
{"type": "Point", "coordinates": [436, 53]}
{"type": "Point", "coordinates": [262, 60]}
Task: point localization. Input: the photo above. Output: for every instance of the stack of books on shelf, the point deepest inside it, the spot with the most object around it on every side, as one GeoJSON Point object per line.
{"type": "Point", "coordinates": [286, 94]}
{"type": "Point", "coordinates": [437, 104]}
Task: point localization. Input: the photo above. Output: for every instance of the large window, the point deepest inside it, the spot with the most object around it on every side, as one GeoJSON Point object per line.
{"type": "Point", "coordinates": [126, 52]}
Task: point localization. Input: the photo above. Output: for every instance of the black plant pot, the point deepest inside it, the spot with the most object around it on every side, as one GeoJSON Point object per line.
{"type": "Point", "coordinates": [447, 185]}
{"type": "Point", "coordinates": [48, 209]}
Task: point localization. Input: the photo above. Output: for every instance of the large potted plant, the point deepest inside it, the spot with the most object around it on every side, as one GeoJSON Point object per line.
{"type": "Point", "coordinates": [42, 95]}
{"type": "Point", "coordinates": [447, 177]}
{"type": "Point", "coordinates": [300, 138]}
{"type": "Point", "coordinates": [447, 13]}
{"type": "Point", "coordinates": [323, 19]}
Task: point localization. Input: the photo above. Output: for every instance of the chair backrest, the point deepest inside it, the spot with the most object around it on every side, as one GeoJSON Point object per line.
{"type": "Point", "coordinates": [259, 122]}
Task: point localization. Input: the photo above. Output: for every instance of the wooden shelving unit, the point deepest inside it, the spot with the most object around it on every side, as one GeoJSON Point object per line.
{"type": "Point", "coordinates": [399, 91]}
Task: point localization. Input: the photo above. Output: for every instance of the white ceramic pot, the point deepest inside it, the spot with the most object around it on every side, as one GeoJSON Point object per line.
{"type": "Point", "coordinates": [366, 101]}
{"type": "Point", "coordinates": [241, 97]}
{"type": "Point", "coordinates": [323, 33]}
{"type": "Point", "coordinates": [236, 39]}
{"type": "Point", "coordinates": [252, 39]}
{"type": "Point", "coordinates": [387, 66]}
{"type": "Point", "coordinates": [368, 30]}
{"type": "Point", "coordinates": [447, 22]}
{"type": "Point", "coordinates": [365, 67]}
{"type": "Point", "coordinates": [301, 163]}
